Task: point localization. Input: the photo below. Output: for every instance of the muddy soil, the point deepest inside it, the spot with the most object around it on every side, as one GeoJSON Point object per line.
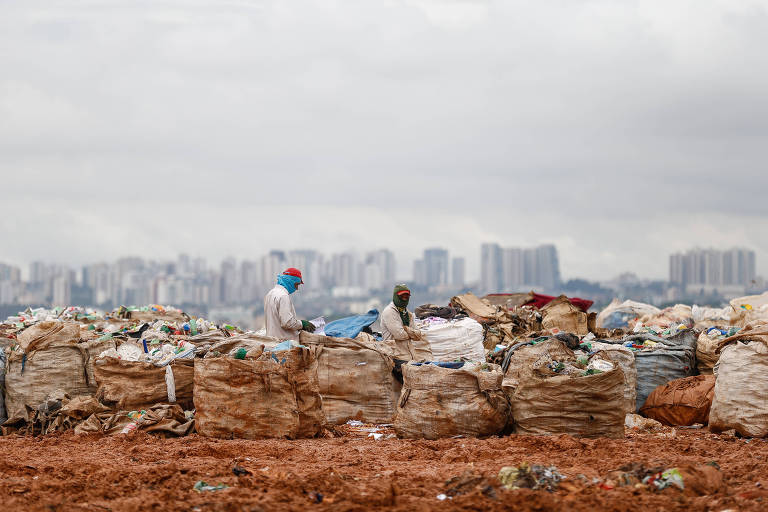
{"type": "Point", "coordinates": [354, 472]}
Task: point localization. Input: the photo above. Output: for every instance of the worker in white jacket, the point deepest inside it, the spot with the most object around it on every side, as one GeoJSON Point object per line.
{"type": "Point", "coordinates": [279, 314]}
{"type": "Point", "coordinates": [398, 328]}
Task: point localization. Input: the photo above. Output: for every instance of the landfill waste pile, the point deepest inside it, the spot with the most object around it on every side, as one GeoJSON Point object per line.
{"type": "Point", "coordinates": [481, 382]}
{"type": "Point", "coordinates": [523, 363]}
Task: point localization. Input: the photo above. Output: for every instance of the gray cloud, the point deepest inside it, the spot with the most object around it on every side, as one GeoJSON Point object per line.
{"type": "Point", "coordinates": [618, 130]}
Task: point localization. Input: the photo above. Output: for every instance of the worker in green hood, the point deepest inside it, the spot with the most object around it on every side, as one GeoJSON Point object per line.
{"type": "Point", "coordinates": [396, 320]}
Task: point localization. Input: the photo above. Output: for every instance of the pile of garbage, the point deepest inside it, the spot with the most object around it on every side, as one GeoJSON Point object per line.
{"type": "Point", "coordinates": [103, 362]}
{"type": "Point", "coordinates": [524, 363]}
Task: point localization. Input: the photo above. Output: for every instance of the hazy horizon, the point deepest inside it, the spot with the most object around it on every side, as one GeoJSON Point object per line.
{"type": "Point", "coordinates": [619, 131]}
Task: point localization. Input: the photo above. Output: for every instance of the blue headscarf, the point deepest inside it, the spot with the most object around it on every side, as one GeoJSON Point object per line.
{"type": "Point", "coordinates": [288, 282]}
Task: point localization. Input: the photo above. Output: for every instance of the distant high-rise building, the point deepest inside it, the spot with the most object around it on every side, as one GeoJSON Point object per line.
{"type": "Point", "coordinates": [436, 267]}
{"type": "Point", "coordinates": [712, 268]}
{"type": "Point", "coordinates": [62, 290]}
{"type": "Point", "coordinates": [272, 264]}
{"type": "Point", "coordinates": [345, 270]}
{"type": "Point", "coordinates": [547, 272]}
{"type": "Point", "coordinates": [419, 273]}
{"type": "Point", "coordinates": [491, 278]}
{"type": "Point", "coordinates": [10, 273]}
{"type": "Point", "coordinates": [458, 269]}
{"type": "Point", "coordinates": [38, 272]}
{"type": "Point", "coordinates": [511, 269]}
{"type": "Point", "coordinates": [310, 262]}
{"type": "Point", "coordinates": [379, 270]}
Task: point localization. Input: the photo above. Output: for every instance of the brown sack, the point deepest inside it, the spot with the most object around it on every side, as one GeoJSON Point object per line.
{"type": "Point", "coordinates": [302, 366]}
{"type": "Point", "coordinates": [742, 379]}
{"type": "Point", "coordinates": [51, 332]}
{"type": "Point", "coordinates": [522, 359]}
{"type": "Point", "coordinates": [166, 420]}
{"type": "Point", "coordinates": [255, 399]}
{"type": "Point", "coordinates": [562, 315]}
{"type": "Point", "coordinates": [355, 379]}
{"type": "Point", "coordinates": [681, 401]}
{"type": "Point", "coordinates": [441, 402]}
{"type": "Point", "coordinates": [54, 361]}
{"type": "Point", "coordinates": [128, 385]}
{"type": "Point", "coordinates": [626, 361]}
{"type": "Point", "coordinates": [588, 406]}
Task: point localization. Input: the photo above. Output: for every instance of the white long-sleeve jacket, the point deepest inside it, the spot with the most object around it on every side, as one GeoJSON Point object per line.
{"type": "Point", "coordinates": [280, 316]}
{"type": "Point", "coordinates": [392, 324]}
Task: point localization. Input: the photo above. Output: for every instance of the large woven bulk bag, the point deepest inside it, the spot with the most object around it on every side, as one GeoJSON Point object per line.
{"type": "Point", "coordinates": [673, 358]}
{"type": "Point", "coordinates": [47, 358]}
{"type": "Point", "coordinates": [626, 361]}
{"type": "Point", "coordinates": [439, 402]}
{"type": "Point", "coordinates": [521, 356]}
{"type": "Point", "coordinates": [455, 340]}
{"type": "Point", "coordinates": [302, 366]}
{"type": "Point", "coordinates": [274, 396]}
{"type": "Point", "coordinates": [140, 385]}
{"type": "Point", "coordinates": [355, 379]}
{"type": "Point", "coordinates": [682, 401]}
{"type": "Point", "coordinates": [740, 400]}
{"type": "Point", "coordinates": [588, 405]}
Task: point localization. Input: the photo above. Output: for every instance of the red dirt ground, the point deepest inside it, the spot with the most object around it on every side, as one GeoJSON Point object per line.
{"type": "Point", "coordinates": [142, 472]}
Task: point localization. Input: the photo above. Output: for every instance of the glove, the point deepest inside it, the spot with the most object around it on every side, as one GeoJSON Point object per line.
{"type": "Point", "coordinates": [307, 326]}
{"type": "Point", "coordinates": [413, 334]}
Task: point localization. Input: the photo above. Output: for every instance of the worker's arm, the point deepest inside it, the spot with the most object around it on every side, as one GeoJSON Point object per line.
{"type": "Point", "coordinates": [390, 319]}
{"type": "Point", "coordinates": [288, 320]}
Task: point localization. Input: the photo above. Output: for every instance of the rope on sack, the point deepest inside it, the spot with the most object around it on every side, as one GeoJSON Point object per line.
{"type": "Point", "coordinates": [170, 384]}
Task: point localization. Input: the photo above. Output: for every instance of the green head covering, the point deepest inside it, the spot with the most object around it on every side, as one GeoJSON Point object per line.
{"type": "Point", "coordinates": [401, 303]}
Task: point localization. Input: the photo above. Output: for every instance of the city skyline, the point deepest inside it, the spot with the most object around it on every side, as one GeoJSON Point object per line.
{"type": "Point", "coordinates": [353, 275]}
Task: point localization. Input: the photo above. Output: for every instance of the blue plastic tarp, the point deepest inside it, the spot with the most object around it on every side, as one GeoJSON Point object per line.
{"type": "Point", "coordinates": [351, 326]}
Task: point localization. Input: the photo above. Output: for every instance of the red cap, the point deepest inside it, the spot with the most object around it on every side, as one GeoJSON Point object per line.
{"type": "Point", "coordinates": [293, 272]}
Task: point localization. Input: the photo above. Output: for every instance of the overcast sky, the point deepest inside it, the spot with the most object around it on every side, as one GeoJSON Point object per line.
{"type": "Point", "coordinates": [620, 131]}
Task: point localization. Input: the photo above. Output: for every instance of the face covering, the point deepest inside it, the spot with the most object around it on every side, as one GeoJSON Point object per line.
{"type": "Point", "coordinates": [401, 303]}
{"type": "Point", "coordinates": [288, 282]}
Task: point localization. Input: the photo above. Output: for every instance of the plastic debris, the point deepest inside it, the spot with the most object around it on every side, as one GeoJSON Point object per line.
{"type": "Point", "coordinates": [202, 486]}
{"type": "Point", "coordinates": [526, 476]}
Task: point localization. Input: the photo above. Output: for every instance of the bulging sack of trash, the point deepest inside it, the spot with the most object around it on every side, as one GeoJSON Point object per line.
{"type": "Point", "coordinates": [623, 315]}
{"type": "Point", "coordinates": [679, 314]}
{"type": "Point", "coordinates": [274, 396]}
{"type": "Point", "coordinates": [521, 356]}
{"type": "Point", "coordinates": [587, 403]}
{"type": "Point", "coordinates": [705, 317]}
{"type": "Point", "coordinates": [626, 361]}
{"type": "Point", "coordinates": [451, 340]}
{"type": "Point", "coordinates": [668, 359]}
{"type": "Point", "coordinates": [355, 379]}
{"type": "Point", "coordinates": [48, 357]}
{"type": "Point", "coordinates": [139, 385]}
{"type": "Point", "coordinates": [742, 379]}
{"type": "Point", "coordinates": [451, 399]}
{"type": "Point", "coordinates": [682, 401]}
